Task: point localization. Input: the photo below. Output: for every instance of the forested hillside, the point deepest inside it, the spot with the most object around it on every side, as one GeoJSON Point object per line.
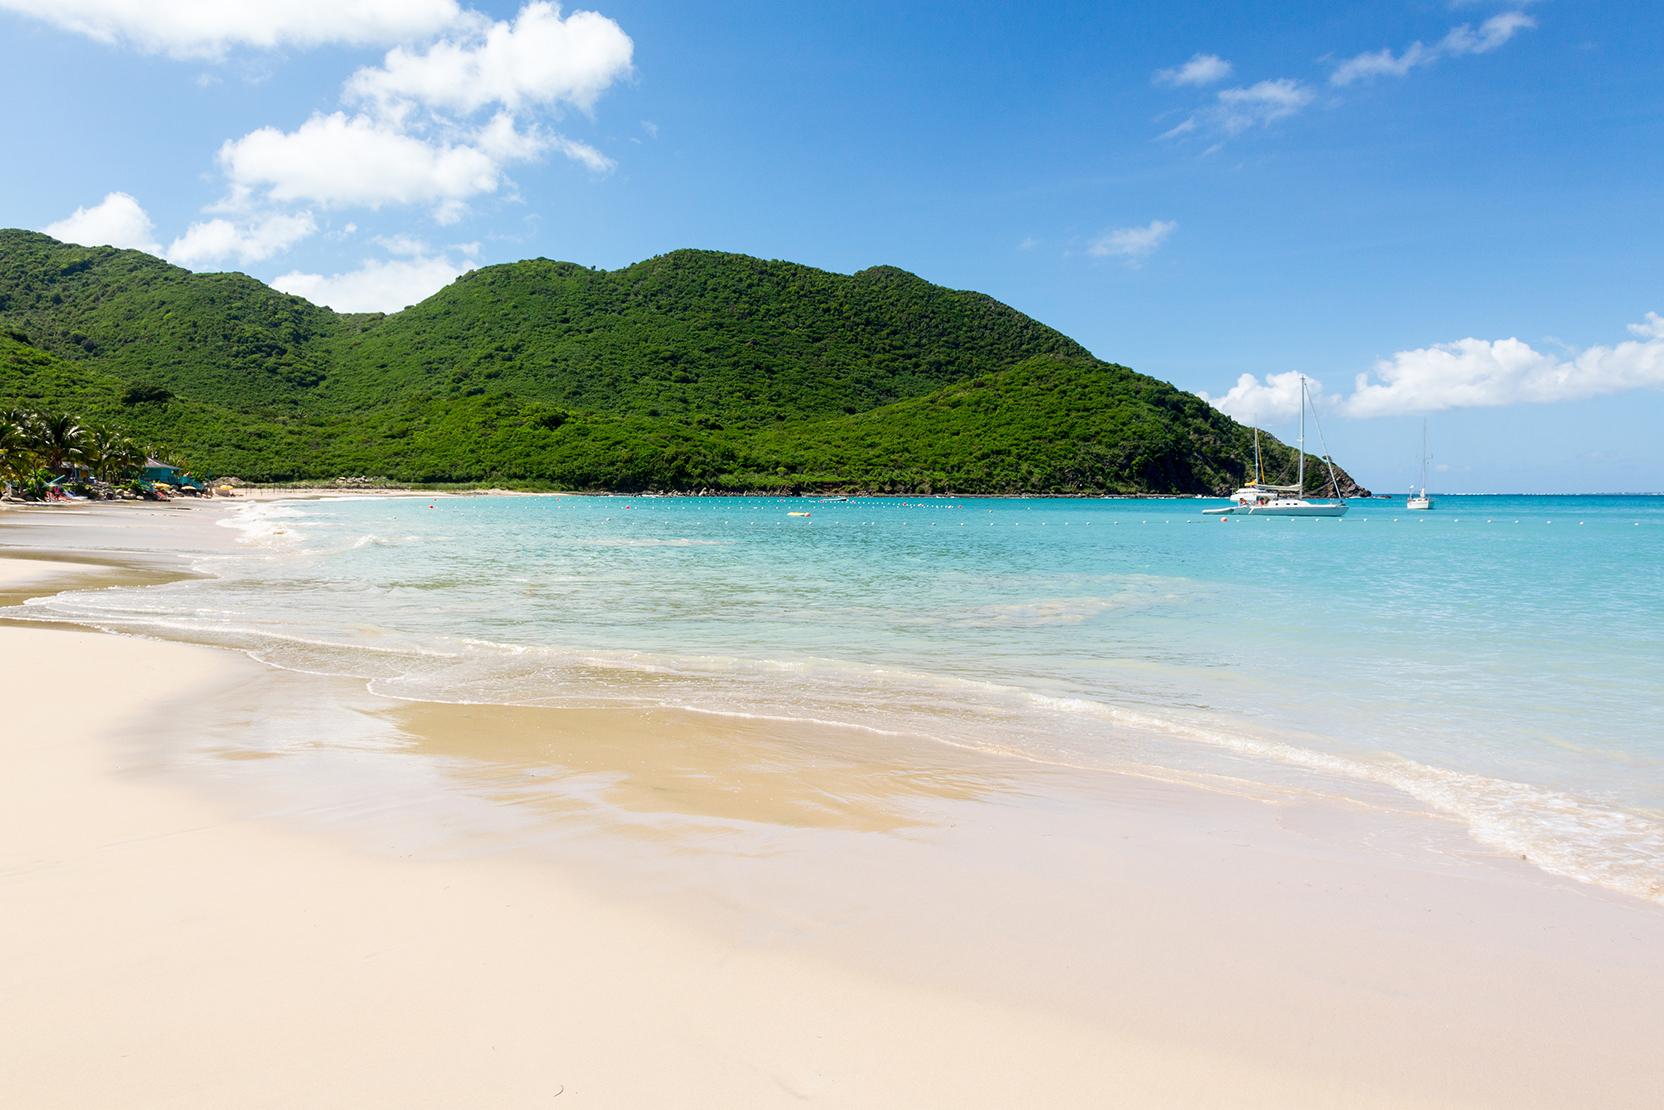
{"type": "Point", "coordinates": [693, 370]}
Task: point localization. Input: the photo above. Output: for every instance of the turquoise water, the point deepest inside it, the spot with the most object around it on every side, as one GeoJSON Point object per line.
{"type": "Point", "coordinates": [1500, 659]}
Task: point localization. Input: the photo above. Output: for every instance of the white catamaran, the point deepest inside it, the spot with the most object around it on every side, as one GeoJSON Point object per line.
{"type": "Point", "coordinates": [1260, 498]}
{"type": "Point", "coordinates": [1421, 500]}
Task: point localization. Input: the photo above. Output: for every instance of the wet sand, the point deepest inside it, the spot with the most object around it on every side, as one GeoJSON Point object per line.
{"type": "Point", "coordinates": [229, 885]}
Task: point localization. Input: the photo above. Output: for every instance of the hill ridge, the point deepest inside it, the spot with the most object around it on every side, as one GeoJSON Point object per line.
{"type": "Point", "coordinates": [690, 369]}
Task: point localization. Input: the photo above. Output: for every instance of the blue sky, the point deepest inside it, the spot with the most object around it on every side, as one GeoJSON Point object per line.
{"type": "Point", "coordinates": [1459, 200]}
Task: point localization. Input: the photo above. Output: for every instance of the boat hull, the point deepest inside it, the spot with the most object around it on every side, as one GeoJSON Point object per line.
{"type": "Point", "coordinates": [1313, 509]}
{"type": "Point", "coordinates": [1419, 503]}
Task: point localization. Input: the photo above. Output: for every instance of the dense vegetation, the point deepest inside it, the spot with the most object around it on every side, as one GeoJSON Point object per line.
{"type": "Point", "coordinates": [39, 452]}
{"type": "Point", "coordinates": [690, 371]}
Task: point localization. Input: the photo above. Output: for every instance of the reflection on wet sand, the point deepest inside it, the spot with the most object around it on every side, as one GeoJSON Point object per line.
{"type": "Point", "coordinates": [644, 764]}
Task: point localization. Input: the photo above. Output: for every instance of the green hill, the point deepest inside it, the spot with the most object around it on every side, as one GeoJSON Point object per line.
{"type": "Point", "coordinates": [693, 370]}
{"type": "Point", "coordinates": [219, 336]}
{"type": "Point", "coordinates": [689, 334]}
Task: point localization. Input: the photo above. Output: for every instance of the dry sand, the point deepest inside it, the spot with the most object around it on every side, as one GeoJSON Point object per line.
{"type": "Point", "coordinates": [160, 951]}
{"type": "Point", "coordinates": [734, 920]}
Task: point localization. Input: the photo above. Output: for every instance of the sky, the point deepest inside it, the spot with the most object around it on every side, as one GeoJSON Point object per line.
{"type": "Point", "coordinates": [1439, 211]}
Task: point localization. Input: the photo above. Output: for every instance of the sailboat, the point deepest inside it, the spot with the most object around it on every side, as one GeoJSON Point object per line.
{"type": "Point", "coordinates": [1421, 500]}
{"type": "Point", "coordinates": [1260, 498]}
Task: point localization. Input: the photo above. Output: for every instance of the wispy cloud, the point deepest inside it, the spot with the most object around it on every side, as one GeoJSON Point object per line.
{"type": "Point", "coordinates": [1201, 69]}
{"type": "Point", "coordinates": [1241, 108]}
{"type": "Point", "coordinates": [1465, 39]}
{"type": "Point", "coordinates": [1235, 110]}
{"type": "Point", "coordinates": [1132, 244]}
{"type": "Point", "coordinates": [1261, 103]}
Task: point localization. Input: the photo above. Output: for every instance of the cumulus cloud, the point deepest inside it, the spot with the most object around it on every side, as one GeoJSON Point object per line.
{"type": "Point", "coordinates": [1237, 109]}
{"type": "Point", "coordinates": [1463, 40]}
{"type": "Point", "coordinates": [338, 160]}
{"type": "Point", "coordinates": [1201, 69]}
{"type": "Point", "coordinates": [1132, 243]}
{"type": "Point", "coordinates": [377, 285]}
{"type": "Point", "coordinates": [1468, 373]}
{"type": "Point", "coordinates": [1259, 401]}
{"type": "Point", "coordinates": [1650, 328]}
{"type": "Point", "coordinates": [207, 28]}
{"type": "Point", "coordinates": [221, 240]}
{"type": "Point", "coordinates": [1489, 372]}
{"type": "Point", "coordinates": [116, 221]}
{"type": "Point", "coordinates": [541, 58]}
{"type": "Point", "coordinates": [415, 134]}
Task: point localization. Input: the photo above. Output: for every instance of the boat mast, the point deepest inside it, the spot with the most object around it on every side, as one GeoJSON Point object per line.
{"type": "Point", "coordinates": [1302, 468]}
{"type": "Point", "coordinates": [1259, 470]}
{"type": "Point", "coordinates": [1424, 459]}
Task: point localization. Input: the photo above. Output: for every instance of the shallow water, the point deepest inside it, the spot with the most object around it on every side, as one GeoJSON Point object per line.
{"type": "Point", "coordinates": [1497, 659]}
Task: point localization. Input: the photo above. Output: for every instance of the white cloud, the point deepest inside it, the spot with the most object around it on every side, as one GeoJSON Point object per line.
{"type": "Point", "coordinates": [1463, 40]}
{"type": "Point", "coordinates": [338, 160]}
{"type": "Point", "coordinates": [116, 221]}
{"type": "Point", "coordinates": [1380, 63]}
{"type": "Point", "coordinates": [1132, 243]}
{"type": "Point", "coordinates": [1650, 328]}
{"type": "Point", "coordinates": [1489, 372]}
{"type": "Point", "coordinates": [412, 142]}
{"type": "Point", "coordinates": [1492, 33]}
{"type": "Point", "coordinates": [377, 285]}
{"type": "Point", "coordinates": [1201, 69]}
{"type": "Point", "coordinates": [1258, 402]}
{"type": "Point", "coordinates": [404, 245]}
{"type": "Point", "coordinates": [1237, 109]}
{"type": "Point", "coordinates": [1262, 103]}
{"type": "Point", "coordinates": [539, 59]}
{"type": "Point", "coordinates": [220, 240]}
{"type": "Point", "coordinates": [583, 154]}
{"type": "Point", "coordinates": [1469, 373]}
{"type": "Point", "coordinates": [207, 28]}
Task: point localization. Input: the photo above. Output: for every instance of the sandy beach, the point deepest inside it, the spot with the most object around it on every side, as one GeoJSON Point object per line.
{"type": "Point", "coordinates": [231, 885]}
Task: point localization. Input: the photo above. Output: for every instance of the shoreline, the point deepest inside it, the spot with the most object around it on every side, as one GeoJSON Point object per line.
{"type": "Point", "coordinates": [1109, 938]}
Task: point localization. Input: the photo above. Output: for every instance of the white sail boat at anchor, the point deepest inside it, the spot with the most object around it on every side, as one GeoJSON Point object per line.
{"type": "Point", "coordinates": [1261, 498]}
{"type": "Point", "coordinates": [1421, 500]}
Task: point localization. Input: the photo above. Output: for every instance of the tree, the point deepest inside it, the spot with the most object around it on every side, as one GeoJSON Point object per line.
{"type": "Point", "coordinates": [109, 454]}
{"type": "Point", "coordinates": [15, 443]}
{"type": "Point", "coordinates": [60, 441]}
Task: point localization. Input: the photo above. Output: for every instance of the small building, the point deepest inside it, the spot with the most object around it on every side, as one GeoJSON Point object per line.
{"type": "Point", "coordinates": [155, 470]}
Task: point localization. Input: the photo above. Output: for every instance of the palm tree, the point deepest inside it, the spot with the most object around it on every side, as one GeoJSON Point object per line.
{"type": "Point", "coordinates": [13, 443]}
{"type": "Point", "coordinates": [127, 459]}
{"type": "Point", "coordinates": [61, 438]}
{"type": "Point", "coordinates": [108, 454]}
